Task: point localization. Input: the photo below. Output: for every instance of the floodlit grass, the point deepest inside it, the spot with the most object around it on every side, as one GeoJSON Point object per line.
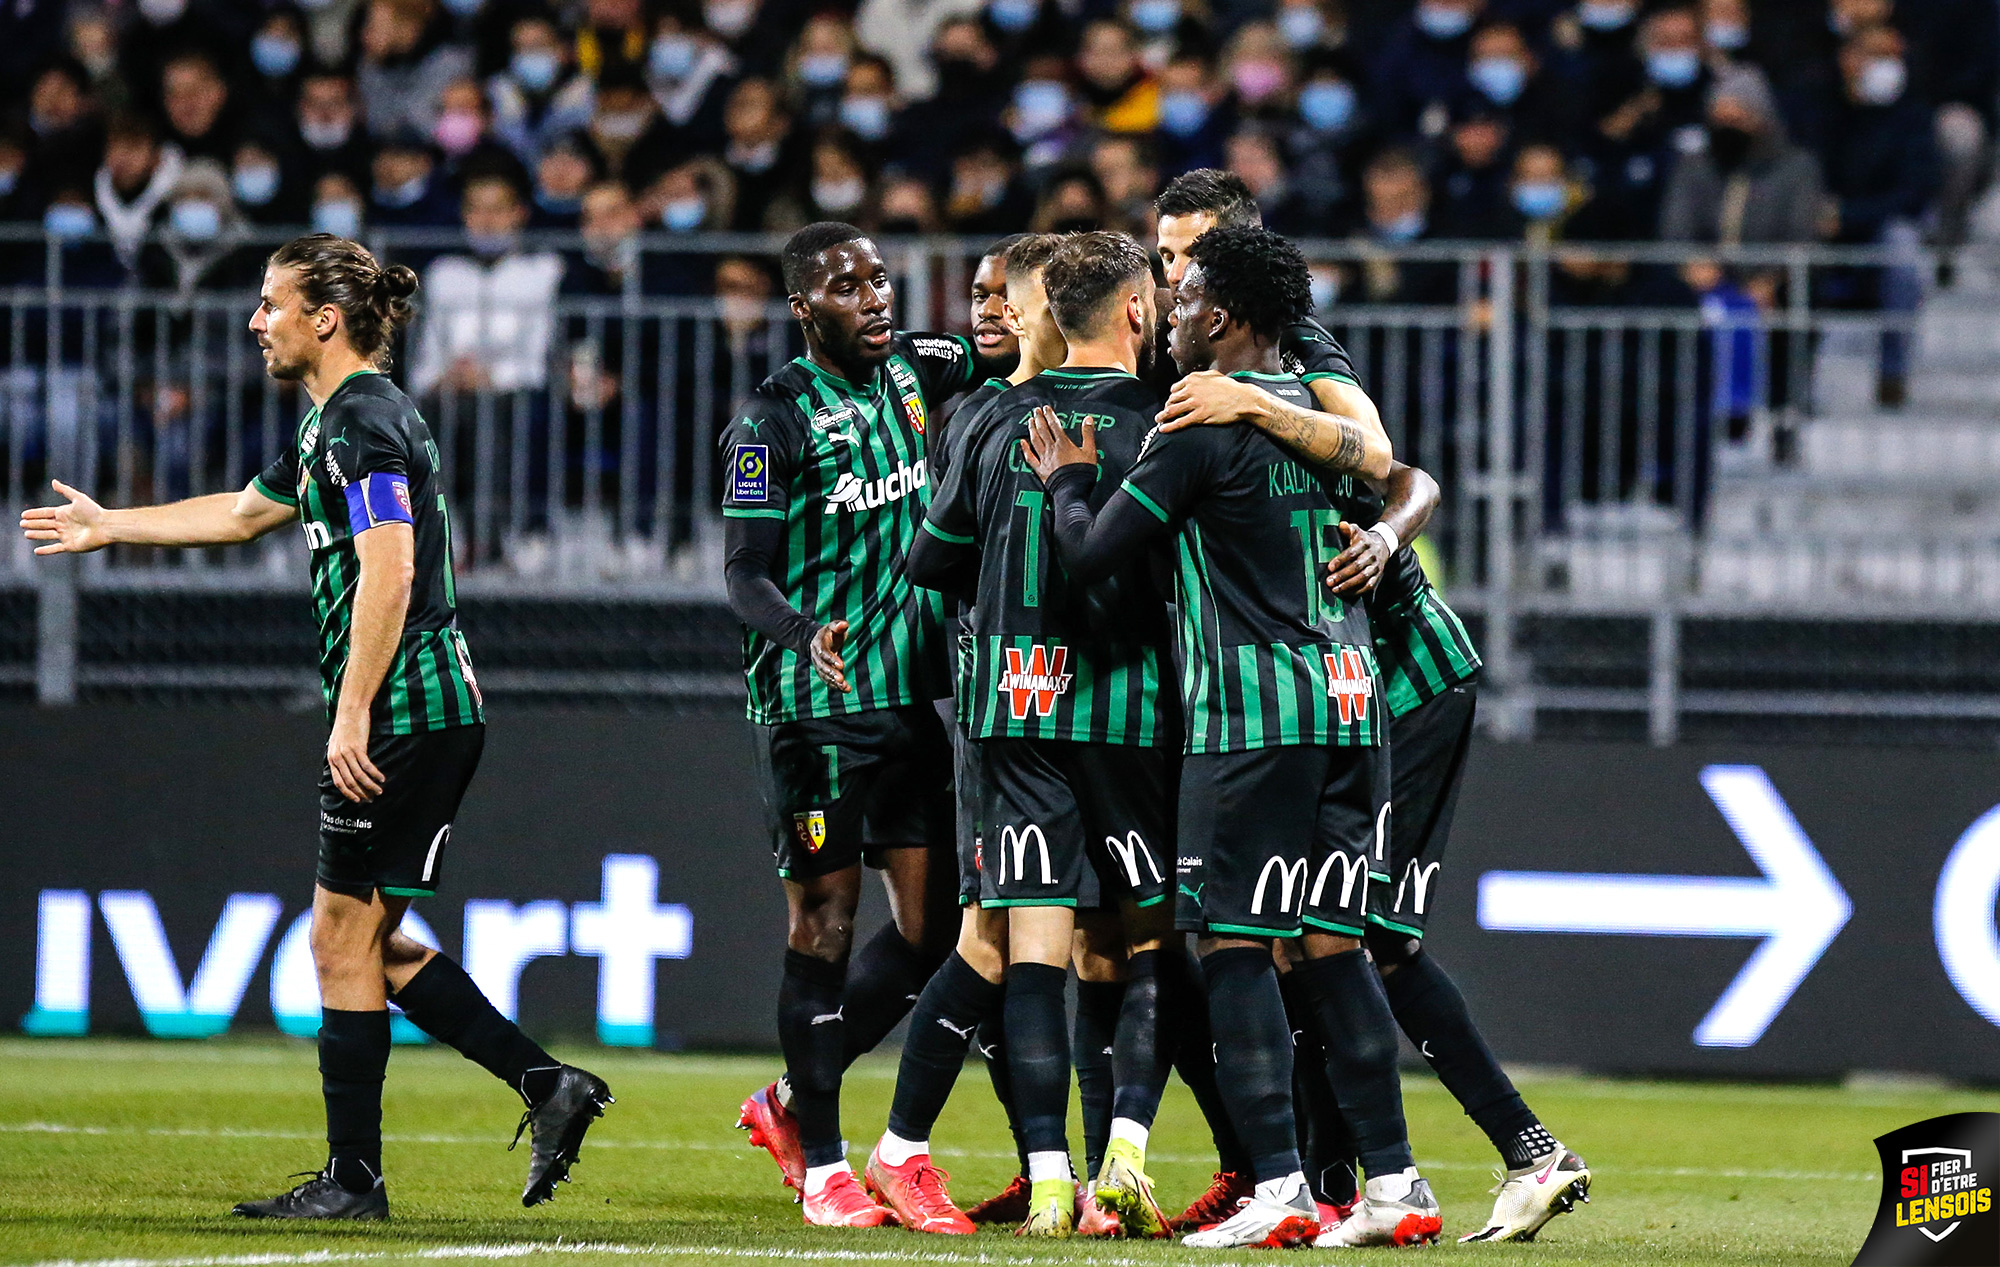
{"type": "Point", "coordinates": [135, 1151]}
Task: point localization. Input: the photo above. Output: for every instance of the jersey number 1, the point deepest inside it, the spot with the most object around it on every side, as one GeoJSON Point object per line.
{"type": "Point", "coordinates": [1031, 560]}
{"type": "Point", "coordinates": [1314, 527]}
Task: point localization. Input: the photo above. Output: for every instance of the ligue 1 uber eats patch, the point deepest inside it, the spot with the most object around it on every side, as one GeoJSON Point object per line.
{"type": "Point", "coordinates": [1937, 1195]}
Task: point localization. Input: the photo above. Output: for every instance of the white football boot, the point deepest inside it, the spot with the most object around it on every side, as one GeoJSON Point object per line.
{"type": "Point", "coordinates": [1394, 1210]}
{"type": "Point", "coordinates": [1528, 1198]}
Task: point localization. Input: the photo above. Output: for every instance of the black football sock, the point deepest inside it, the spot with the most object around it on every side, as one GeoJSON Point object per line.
{"type": "Point", "coordinates": [353, 1057]}
{"type": "Point", "coordinates": [951, 1007]}
{"type": "Point", "coordinates": [1324, 1143]}
{"type": "Point", "coordinates": [443, 1001]}
{"type": "Point", "coordinates": [1140, 1062]}
{"type": "Point", "coordinates": [1194, 1061]}
{"type": "Point", "coordinates": [883, 983]}
{"type": "Point", "coordinates": [1038, 1054]}
{"type": "Point", "coordinates": [992, 1042]}
{"type": "Point", "coordinates": [1359, 1035]}
{"type": "Point", "coordinates": [810, 1034]}
{"type": "Point", "coordinates": [1433, 1013]}
{"type": "Point", "coordinates": [1096, 1032]}
{"type": "Point", "coordinates": [1253, 1044]}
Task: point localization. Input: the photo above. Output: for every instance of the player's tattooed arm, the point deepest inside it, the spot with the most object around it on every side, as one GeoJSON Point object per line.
{"type": "Point", "coordinates": [1411, 497]}
{"type": "Point", "coordinates": [81, 525]}
{"type": "Point", "coordinates": [1337, 441]}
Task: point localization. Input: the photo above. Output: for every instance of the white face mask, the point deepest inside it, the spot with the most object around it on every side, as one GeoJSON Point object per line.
{"type": "Point", "coordinates": [729, 18]}
{"type": "Point", "coordinates": [1881, 81]}
{"type": "Point", "coordinates": [838, 196]}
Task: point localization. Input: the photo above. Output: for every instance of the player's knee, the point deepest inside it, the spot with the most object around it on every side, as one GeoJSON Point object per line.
{"type": "Point", "coordinates": [1391, 950]}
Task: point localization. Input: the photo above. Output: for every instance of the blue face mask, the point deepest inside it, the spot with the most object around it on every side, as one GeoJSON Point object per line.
{"type": "Point", "coordinates": [67, 221]}
{"type": "Point", "coordinates": [1182, 112]}
{"type": "Point", "coordinates": [340, 216]}
{"type": "Point", "coordinates": [1443, 22]}
{"type": "Point", "coordinates": [555, 206]}
{"type": "Point", "coordinates": [1539, 199]}
{"type": "Point", "coordinates": [255, 185]}
{"type": "Point", "coordinates": [275, 56]}
{"type": "Point", "coordinates": [1300, 26]}
{"type": "Point", "coordinates": [822, 70]}
{"type": "Point", "coordinates": [1014, 15]}
{"type": "Point", "coordinates": [9, 177]}
{"type": "Point", "coordinates": [535, 69]}
{"type": "Point", "coordinates": [1156, 17]}
{"type": "Point", "coordinates": [1040, 107]}
{"type": "Point", "coordinates": [672, 56]}
{"type": "Point", "coordinates": [1728, 36]}
{"type": "Point", "coordinates": [1600, 15]}
{"type": "Point", "coordinates": [866, 117]}
{"type": "Point", "coordinates": [1673, 67]}
{"type": "Point", "coordinates": [464, 8]}
{"type": "Point", "coordinates": [1327, 105]}
{"type": "Point", "coordinates": [196, 221]}
{"type": "Point", "coordinates": [684, 215]}
{"type": "Point", "coordinates": [1500, 79]}
{"type": "Point", "coordinates": [1407, 227]}
{"type": "Point", "coordinates": [407, 194]}
{"type": "Point", "coordinates": [491, 246]}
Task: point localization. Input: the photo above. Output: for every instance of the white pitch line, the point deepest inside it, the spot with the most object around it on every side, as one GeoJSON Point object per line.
{"type": "Point", "coordinates": [525, 1249]}
{"type": "Point", "coordinates": [751, 1154]}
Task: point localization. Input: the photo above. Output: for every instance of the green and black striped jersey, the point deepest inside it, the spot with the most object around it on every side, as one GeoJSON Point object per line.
{"type": "Point", "coordinates": [844, 466]}
{"type": "Point", "coordinates": [363, 459]}
{"type": "Point", "coordinates": [1049, 659]}
{"type": "Point", "coordinates": [1269, 656]}
{"type": "Point", "coordinates": [1420, 642]}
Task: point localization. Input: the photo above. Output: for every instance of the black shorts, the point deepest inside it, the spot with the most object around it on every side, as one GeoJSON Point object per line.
{"type": "Point", "coordinates": [966, 782]}
{"type": "Point", "coordinates": [1429, 746]}
{"type": "Point", "coordinates": [1074, 824]}
{"type": "Point", "coordinates": [841, 790]}
{"type": "Point", "coordinates": [1275, 842]}
{"type": "Point", "coordinates": [396, 842]}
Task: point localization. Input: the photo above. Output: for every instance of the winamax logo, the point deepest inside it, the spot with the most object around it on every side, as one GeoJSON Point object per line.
{"type": "Point", "coordinates": [849, 493]}
{"type": "Point", "coordinates": [1350, 682]}
{"type": "Point", "coordinates": [1937, 1195]}
{"type": "Point", "coordinates": [1034, 678]}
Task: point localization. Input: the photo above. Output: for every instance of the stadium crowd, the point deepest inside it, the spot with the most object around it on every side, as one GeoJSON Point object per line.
{"type": "Point", "coordinates": [1723, 120]}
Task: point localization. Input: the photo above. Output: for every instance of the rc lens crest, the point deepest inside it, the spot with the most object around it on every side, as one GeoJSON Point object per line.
{"type": "Point", "coordinates": [809, 829]}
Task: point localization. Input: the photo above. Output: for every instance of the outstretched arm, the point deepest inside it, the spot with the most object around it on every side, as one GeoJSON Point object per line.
{"type": "Point", "coordinates": [1092, 544]}
{"type": "Point", "coordinates": [1412, 497]}
{"type": "Point", "coordinates": [1347, 439]}
{"type": "Point", "coordinates": [219, 519]}
{"type": "Point", "coordinates": [750, 545]}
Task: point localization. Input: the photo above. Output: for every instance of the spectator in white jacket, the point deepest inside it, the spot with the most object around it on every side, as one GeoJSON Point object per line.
{"type": "Point", "coordinates": [488, 314]}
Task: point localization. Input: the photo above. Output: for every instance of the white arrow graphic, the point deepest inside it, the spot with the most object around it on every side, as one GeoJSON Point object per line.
{"type": "Point", "coordinates": [1798, 907]}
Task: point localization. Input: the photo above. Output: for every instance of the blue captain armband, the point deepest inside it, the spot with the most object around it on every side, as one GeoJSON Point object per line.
{"type": "Point", "coordinates": [374, 500]}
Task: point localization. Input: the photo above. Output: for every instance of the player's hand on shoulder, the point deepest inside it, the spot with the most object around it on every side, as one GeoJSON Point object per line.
{"type": "Point", "coordinates": [826, 658]}
{"type": "Point", "coordinates": [74, 528]}
{"type": "Point", "coordinates": [1357, 569]}
{"type": "Point", "coordinates": [1207, 398]}
{"type": "Point", "coordinates": [354, 775]}
{"type": "Point", "coordinates": [1048, 447]}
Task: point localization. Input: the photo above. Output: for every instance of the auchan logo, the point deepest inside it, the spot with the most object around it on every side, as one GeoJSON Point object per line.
{"type": "Point", "coordinates": [849, 493]}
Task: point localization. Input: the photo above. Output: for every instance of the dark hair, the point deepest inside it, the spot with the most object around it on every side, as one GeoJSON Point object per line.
{"type": "Point", "coordinates": [802, 250]}
{"type": "Point", "coordinates": [1258, 277]}
{"type": "Point", "coordinates": [1221, 194]}
{"type": "Point", "coordinates": [1086, 269]}
{"type": "Point", "coordinates": [1003, 246]}
{"type": "Point", "coordinates": [374, 301]}
{"type": "Point", "coordinates": [1030, 251]}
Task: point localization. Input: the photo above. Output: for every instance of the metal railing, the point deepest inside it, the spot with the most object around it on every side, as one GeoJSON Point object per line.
{"type": "Point", "coordinates": [1613, 446]}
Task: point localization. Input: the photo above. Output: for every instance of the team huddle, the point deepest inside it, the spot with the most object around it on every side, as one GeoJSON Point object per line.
{"type": "Point", "coordinates": [1155, 568]}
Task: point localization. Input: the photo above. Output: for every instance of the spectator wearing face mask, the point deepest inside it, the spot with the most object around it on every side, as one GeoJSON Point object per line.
{"type": "Point", "coordinates": [133, 183]}
{"type": "Point", "coordinates": [1023, 28]}
{"type": "Point", "coordinates": [463, 132]}
{"type": "Point", "coordinates": [904, 31]}
{"type": "Point", "coordinates": [1310, 27]}
{"type": "Point", "coordinates": [406, 190]}
{"type": "Point", "coordinates": [986, 194]}
{"type": "Point", "coordinates": [756, 32]}
{"type": "Point", "coordinates": [1633, 147]}
{"type": "Point", "coordinates": [816, 71]}
{"type": "Point", "coordinates": [539, 95]}
{"type": "Point", "coordinates": [1507, 78]}
{"type": "Point", "coordinates": [838, 189]}
{"type": "Point", "coordinates": [201, 238]}
{"type": "Point", "coordinates": [278, 56]}
{"type": "Point", "coordinates": [1421, 68]}
{"type": "Point", "coordinates": [1749, 184]}
{"type": "Point", "coordinates": [1396, 212]}
{"type": "Point", "coordinates": [337, 206]}
{"type": "Point", "coordinates": [64, 135]}
{"type": "Point", "coordinates": [1196, 116]}
{"type": "Point", "coordinates": [761, 152]}
{"type": "Point", "coordinates": [1328, 137]}
{"type": "Point", "coordinates": [405, 64]}
{"type": "Point", "coordinates": [695, 197]}
{"type": "Point", "coordinates": [328, 128]}
{"type": "Point", "coordinates": [973, 87]}
{"type": "Point", "coordinates": [1882, 173]}
{"type": "Point", "coordinates": [1471, 185]}
{"type": "Point", "coordinates": [1117, 90]}
{"type": "Point", "coordinates": [689, 72]}
{"type": "Point", "coordinates": [566, 169]}
{"type": "Point", "coordinates": [259, 185]}
{"type": "Point", "coordinates": [1261, 72]}
{"type": "Point", "coordinates": [70, 223]}
{"type": "Point", "coordinates": [1044, 116]}
{"type": "Point", "coordinates": [870, 111]}
{"type": "Point", "coordinates": [627, 130]}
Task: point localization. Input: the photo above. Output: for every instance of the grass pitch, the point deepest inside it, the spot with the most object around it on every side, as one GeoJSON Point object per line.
{"type": "Point", "coordinates": [135, 1151]}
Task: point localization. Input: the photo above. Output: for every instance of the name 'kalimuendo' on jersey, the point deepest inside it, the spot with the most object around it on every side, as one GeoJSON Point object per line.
{"type": "Point", "coordinates": [1048, 659]}
{"type": "Point", "coordinates": [844, 465]}
{"type": "Point", "coordinates": [364, 458]}
{"type": "Point", "coordinates": [1269, 656]}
